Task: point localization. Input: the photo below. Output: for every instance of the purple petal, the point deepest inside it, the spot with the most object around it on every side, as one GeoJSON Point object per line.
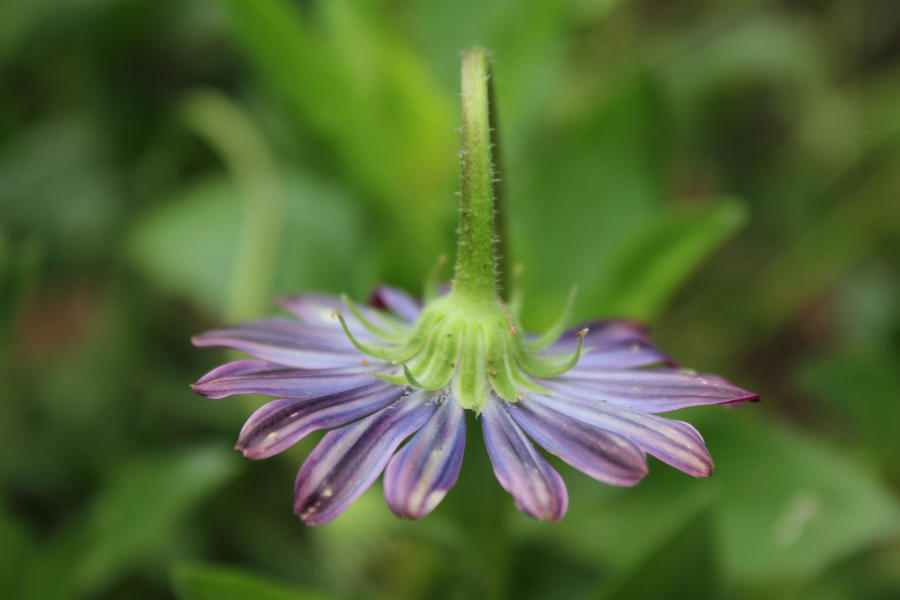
{"type": "Point", "coordinates": [396, 301]}
{"type": "Point", "coordinates": [620, 355]}
{"type": "Point", "coordinates": [537, 488]}
{"type": "Point", "coordinates": [319, 309]}
{"type": "Point", "coordinates": [286, 341]}
{"type": "Point", "coordinates": [261, 377]}
{"type": "Point", "coordinates": [603, 455]}
{"type": "Point", "coordinates": [613, 343]}
{"type": "Point", "coordinates": [674, 442]}
{"type": "Point", "coordinates": [605, 331]}
{"type": "Point", "coordinates": [276, 426]}
{"type": "Point", "coordinates": [348, 460]}
{"type": "Point", "coordinates": [424, 470]}
{"type": "Point", "coordinates": [648, 390]}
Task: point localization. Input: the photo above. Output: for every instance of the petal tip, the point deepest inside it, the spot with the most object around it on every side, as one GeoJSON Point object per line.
{"type": "Point", "coordinates": [747, 397]}
{"type": "Point", "coordinates": [550, 514]}
{"type": "Point", "coordinates": [245, 451]}
{"type": "Point", "coordinates": [198, 388]}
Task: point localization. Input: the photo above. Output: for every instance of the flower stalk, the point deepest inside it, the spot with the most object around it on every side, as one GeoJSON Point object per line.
{"type": "Point", "coordinates": [476, 269]}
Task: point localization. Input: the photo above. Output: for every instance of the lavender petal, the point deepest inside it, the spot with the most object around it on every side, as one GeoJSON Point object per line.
{"type": "Point", "coordinates": [613, 343]}
{"type": "Point", "coordinates": [594, 451]}
{"type": "Point", "coordinates": [674, 442]}
{"type": "Point", "coordinates": [424, 470]}
{"type": "Point", "coordinates": [648, 390]}
{"type": "Point", "coordinates": [276, 426]}
{"type": "Point", "coordinates": [621, 355]}
{"type": "Point", "coordinates": [286, 341]}
{"type": "Point", "coordinates": [319, 309]}
{"type": "Point", "coordinates": [537, 488]}
{"type": "Point", "coordinates": [396, 301]}
{"type": "Point", "coordinates": [348, 460]}
{"type": "Point", "coordinates": [262, 377]}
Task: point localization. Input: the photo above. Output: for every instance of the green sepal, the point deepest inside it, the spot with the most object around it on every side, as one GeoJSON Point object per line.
{"type": "Point", "coordinates": [442, 360]}
{"type": "Point", "coordinates": [498, 367]}
{"type": "Point", "coordinates": [388, 336]}
{"type": "Point", "coordinates": [523, 381]}
{"type": "Point", "coordinates": [395, 379]}
{"type": "Point", "coordinates": [470, 382]}
{"type": "Point", "coordinates": [542, 367]}
{"type": "Point", "coordinates": [555, 330]}
{"type": "Point", "coordinates": [396, 353]}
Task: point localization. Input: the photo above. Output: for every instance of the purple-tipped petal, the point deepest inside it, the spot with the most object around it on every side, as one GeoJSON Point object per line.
{"type": "Point", "coordinates": [261, 377]}
{"type": "Point", "coordinates": [613, 343]}
{"type": "Point", "coordinates": [396, 301]}
{"type": "Point", "coordinates": [287, 342]}
{"type": "Point", "coordinates": [649, 390]}
{"type": "Point", "coordinates": [537, 488]}
{"type": "Point", "coordinates": [673, 442]}
{"type": "Point", "coordinates": [424, 470]}
{"type": "Point", "coordinates": [603, 455]}
{"type": "Point", "coordinates": [280, 424]}
{"type": "Point", "coordinates": [348, 460]}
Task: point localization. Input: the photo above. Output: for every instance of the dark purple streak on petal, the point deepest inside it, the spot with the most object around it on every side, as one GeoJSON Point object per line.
{"type": "Point", "coordinates": [537, 488]}
{"type": "Point", "coordinates": [261, 377]}
{"type": "Point", "coordinates": [276, 426]}
{"type": "Point", "coordinates": [648, 390]}
{"type": "Point", "coordinates": [603, 455]}
{"type": "Point", "coordinates": [424, 470]}
{"type": "Point", "coordinates": [674, 442]}
{"type": "Point", "coordinates": [396, 301]}
{"type": "Point", "coordinates": [348, 460]}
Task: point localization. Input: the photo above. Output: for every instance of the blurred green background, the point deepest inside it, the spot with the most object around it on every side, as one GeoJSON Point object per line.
{"type": "Point", "coordinates": [728, 171]}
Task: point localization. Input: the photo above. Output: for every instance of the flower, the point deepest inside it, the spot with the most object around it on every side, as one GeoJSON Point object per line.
{"type": "Point", "coordinates": [400, 369]}
{"type": "Point", "coordinates": [599, 416]}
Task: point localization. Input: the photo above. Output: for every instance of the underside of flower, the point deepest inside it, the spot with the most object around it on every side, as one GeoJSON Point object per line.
{"type": "Point", "coordinates": [473, 348]}
{"type": "Point", "coordinates": [398, 373]}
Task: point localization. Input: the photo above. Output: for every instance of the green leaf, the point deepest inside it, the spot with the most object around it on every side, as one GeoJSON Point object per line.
{"type": "Point", "coordinates": [594, 186]}
{"type": "Point", "coordinates": [618, 529]}
{"type": "Point", "coordinates": [137, 517]}
{"type": "Point", "coordinates": [77, 155]}
{"type": "Point", "coordinates": [860, 389]}
{"type": "Point", "coordinates": [196, 582]}
{"type": "Point", "coordinates": [18, 551]}
{"type": "Point", "coordinates": [348, 79]}
{"type": "Point", "coordinates": [683, 567]}
{"type": "Point", "coordinates": [650, 267]}
{"type": "Point", "coordinates": [791, 505]}
{"type": "Point", "coordinates": [188, 245]}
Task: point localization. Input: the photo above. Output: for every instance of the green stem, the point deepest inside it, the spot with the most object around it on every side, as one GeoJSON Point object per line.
{"type": "Point", "coordinates": [501, 261]}
{"type": "Point", "coordinates": [475, 274]}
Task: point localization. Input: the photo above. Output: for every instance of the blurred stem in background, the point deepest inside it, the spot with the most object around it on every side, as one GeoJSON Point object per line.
{"type": "Point", "coordinates": [231, 133]}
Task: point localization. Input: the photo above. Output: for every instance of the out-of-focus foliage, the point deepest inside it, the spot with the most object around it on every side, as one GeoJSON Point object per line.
{"type": "Point", "coordinates": [728, 171]}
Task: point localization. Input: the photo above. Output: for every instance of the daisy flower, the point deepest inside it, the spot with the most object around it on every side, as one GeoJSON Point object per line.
{"type": "Point", "coordinates": [392, 381]}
